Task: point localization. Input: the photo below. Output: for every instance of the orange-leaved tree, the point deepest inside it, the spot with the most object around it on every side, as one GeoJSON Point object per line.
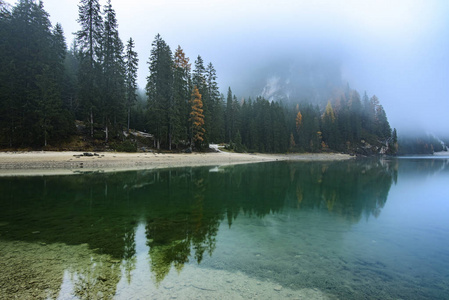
{"type": "Point", "coordinates": [298, 121]}
{"type": "Point", "coordinates": [196, 117]}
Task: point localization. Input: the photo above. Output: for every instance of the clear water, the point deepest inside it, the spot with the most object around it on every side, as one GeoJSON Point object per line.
{"type": "Point", "coordinates": [365, 229]}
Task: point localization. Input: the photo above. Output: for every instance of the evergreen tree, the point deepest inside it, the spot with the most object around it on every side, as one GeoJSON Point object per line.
{"type": "Point", "coordinates": [229, 125]}
{"type": "Point", "coordinates": [309, 139]}
{"type": "Point", "coordinates": [199, 79]}
{"type": "Point", "coordinates": [368, 114]}
{"type": "Point", "coordinates": [8, 114]}
{"type": "Point", "coordinates": [59, 49]}
{"type": "Point", "coordinates": [199, 75]}
{"type": "Point", "coordinates": [329, 127]}
{"type": "Point", "coordinates": [89, 39]}
{"type": "Point", "coordinates": [89, 36]}
{"type": "Point", "coordinates": [181, 95]}
{"type": "Point", "coordinates": [54, 121]}
{"type": "Point", "coordinates": [382, 127]}
{"type": "Point", "coordinates": [356, 116]}
{"type": "Point", "coordinates": [160, 92]}
{"type": "Point", "coordinates": [214, 118]}
{"type": "Point", "coordinates": [113, 73]}
{"type": "Point", "coordinates": [236, 117]}
{"type": "Point", "coordinates": [70, 84]}
{"type": "Point", "coordinates": [131, 63]}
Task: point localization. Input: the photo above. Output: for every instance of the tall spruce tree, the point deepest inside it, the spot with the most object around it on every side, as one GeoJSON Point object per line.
{"type": "Point", "coordinates": [160, 92]}
{"type": "Point", "coordinates": [215, 106]}
{"type": "Point", "coordinates": [199, 80]}
{"type": "Point", "coordinates": [181, 95]}
{"type": "Point", "coordinates": [131, 63]}
{"type": "Point", "coordinates": [7, 107]}
{"type": "Point", "coordinates": [199, 75]}
{"type": "Point", "coordinates": [70, 90]}
{"type": "Point", "coordinates": [229, 124]}
{"type": "Point", "coordinates": [89, 42]}
{"type": "Point", "coordinates": [113, 73]}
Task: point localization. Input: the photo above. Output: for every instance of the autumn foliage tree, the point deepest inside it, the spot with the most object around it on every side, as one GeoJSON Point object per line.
{"type": "Point", "coordinates": [197, 118]}
{"type": "Point", "coordinates": [298, 121]}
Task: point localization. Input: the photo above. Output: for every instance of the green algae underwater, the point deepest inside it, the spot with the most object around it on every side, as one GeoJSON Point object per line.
{"type": "Point", "coordinates": [361, 229]}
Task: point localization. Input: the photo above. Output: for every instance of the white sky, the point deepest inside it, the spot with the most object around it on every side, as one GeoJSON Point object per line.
{"type": "Point", "coordinates": [398, 50]}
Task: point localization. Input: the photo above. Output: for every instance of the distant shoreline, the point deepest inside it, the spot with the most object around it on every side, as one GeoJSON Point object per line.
{"type": "Point", "coordinates": [64, 163]}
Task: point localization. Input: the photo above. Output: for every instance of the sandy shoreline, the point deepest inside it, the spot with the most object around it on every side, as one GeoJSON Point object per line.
{"type": "Point", "coordinates": [59, 163]}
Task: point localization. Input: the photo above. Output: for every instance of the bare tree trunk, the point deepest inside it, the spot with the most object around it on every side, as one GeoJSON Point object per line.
{"type": "Point", "coordinates": [169, 141]}
{"type": "Point", "coordinates": [45, 130]}
{"type": "Point", "coordinates": [129, 113]}
{"type": "Point", "coordinates": [91, 123]}
{"type": "Point", "coordinates": [107, 133]}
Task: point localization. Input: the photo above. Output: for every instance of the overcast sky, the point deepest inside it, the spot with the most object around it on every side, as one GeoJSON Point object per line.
{"type": "Point", "coordinates": [397, 50]}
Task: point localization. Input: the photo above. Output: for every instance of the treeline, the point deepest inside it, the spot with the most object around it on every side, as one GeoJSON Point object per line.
{"type": "Point", "coordinates": [421, 144]}
{"type": "Point", "coordinates": [44, 88]}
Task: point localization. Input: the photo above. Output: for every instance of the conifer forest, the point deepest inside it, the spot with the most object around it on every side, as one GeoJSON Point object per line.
{"type": "Point", "coordinates": [51, 92]}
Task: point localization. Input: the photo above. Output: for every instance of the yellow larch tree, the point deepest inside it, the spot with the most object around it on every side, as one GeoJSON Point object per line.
{"type": "Point", "coordinates": [196, 117]}
{"type": "Point", "coordinates": [298, 121]}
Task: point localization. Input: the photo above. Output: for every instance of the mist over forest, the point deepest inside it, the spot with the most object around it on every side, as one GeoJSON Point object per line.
{"type": "Point", "coordinates": [292, 80]}
{"type": "Point", "coordinates": [90, 93]}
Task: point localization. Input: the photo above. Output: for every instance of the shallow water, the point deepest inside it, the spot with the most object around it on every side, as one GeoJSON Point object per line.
{"type": "Point", "coordinates": [366, 229]}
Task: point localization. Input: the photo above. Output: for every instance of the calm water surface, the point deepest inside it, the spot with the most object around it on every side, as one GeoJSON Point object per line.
{"type": "Point", "coordinates": [367, 229]}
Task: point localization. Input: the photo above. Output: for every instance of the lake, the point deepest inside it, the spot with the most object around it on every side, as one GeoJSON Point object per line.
{"type": "Point", "coordinates": [360, 229]}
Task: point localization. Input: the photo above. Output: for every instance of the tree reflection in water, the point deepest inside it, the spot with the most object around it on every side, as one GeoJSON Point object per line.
{"type": "Point", "coordinates": [182, 209]}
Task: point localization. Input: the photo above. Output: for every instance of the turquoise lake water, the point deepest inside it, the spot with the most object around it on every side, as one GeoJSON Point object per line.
{"type": "Point", "coordinates": [362, 229]}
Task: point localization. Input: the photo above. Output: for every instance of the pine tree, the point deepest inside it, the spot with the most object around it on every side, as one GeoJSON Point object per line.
{"type": "Point", "coordinates": [197, 118]}
{"type": "Point", "coordinates": [131, 63]}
